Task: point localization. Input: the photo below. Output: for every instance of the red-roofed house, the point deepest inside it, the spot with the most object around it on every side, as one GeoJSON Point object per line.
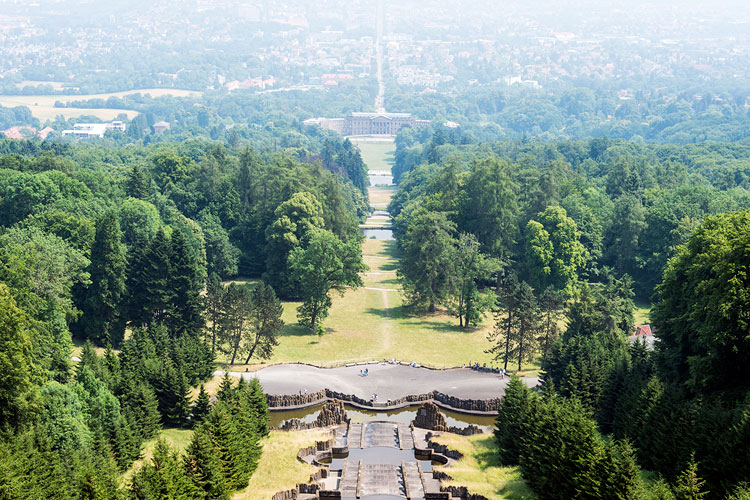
{"type": "Point", "coordinates": [642, 330]}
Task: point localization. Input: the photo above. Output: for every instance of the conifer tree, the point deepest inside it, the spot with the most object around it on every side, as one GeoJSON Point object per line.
{"type": "Point", "coordinates": [88, 359]}
{"type": "Point", "coordinates": [226, 389]}
{"type": "Point", "coordinates": [157, 290]}
{"type": "Point", "coordinates": [220, 424]}
{"type": "Point", "coordinates": [136, 309]}
{"type": "Point", "coordinates": [127, 444]}
{"type": "Point", "coordinates": [138, 184]}
{"type": "Point", "coordinates": [235, 327]}
{"type": "Point", "coordinates": [163, 477]}
{"type": "Point", "coordinates": [259, 406]}
{"type": "Point", "coordinates": [185, 287]}
{"type": "Point", "coordinates": [689, 485]}
{"type": "Point", "coordinates": [202, 406]}
{"type": "Point", "coordinates": [203, 467]}
{"type": "Point", "coordinates": [172, 391]}
{"type": "Point", "coordinates": [550, 304]}
{"type": "Point", "coordinates": [504, 335]}
{"type": "Point", "coordinates": [101, 321]}
{"type": "Point", "coordinates": [512, 422]}
{"type": "Point", "coordinates": [142, 407]}
{"type": "Point", "coordinates": [528, 323]}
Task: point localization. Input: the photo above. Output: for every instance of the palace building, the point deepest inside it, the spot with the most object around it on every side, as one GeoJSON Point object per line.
{"type": "Point", "coordinates": [369, 123]}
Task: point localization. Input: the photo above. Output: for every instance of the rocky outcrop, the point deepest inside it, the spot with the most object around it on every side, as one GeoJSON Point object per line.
{"type": "Point", "coordinates": [429, 417]}
{"type": "Point", "coordinates": [332, 413]}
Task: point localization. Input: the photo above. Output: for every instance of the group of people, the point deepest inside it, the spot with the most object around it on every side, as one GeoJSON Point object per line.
{"type": "Point", "coordinates": [364, 373]}
{"type": "Point", "coordinates": [374, 397]}
{"type": "Point", "coordinates": [484, 368]}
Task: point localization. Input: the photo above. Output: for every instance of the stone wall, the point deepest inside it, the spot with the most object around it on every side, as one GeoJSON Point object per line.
{"type": "Point", "coordinates": [281, 401]}
{"type": "Point", "coordinates": [311, 489]}
{"type": "Point", "coordinates": [285, 495]}
{"type": "Point", "coordinates": [488, 405]}
{"type": "Point", "coordinates": [313, 398]}
{"type": "Point", "coordinates": [462, 492]}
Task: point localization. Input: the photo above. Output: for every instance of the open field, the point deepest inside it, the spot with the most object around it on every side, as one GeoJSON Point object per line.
{"type": "Point", "coordinates": [377, 155]}
{"type": "Point", "coordinates": [43, 106]}
{"type": "Point", "coordinates": [480, 470]}
{"type": "Point", "coordinates": [642, 313]}
{"type": "Point", "coordinates": [177, 439]}
{"type": "Point", "coordinates": [279, 469]}
{"type": "Point", "coordinates": [371, 324]}
{"type": "Point", "coordinates": [380, 196]}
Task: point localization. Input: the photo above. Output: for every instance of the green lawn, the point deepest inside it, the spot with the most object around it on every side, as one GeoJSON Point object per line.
{"type": "Point", "coordinates": [377, 155]}
{"type": "Point", "coordinates": [642, 313]}
{"type": "Point", "coordinates": [371, 324]}
{"type": "Point", "coordinates": [480, 470]}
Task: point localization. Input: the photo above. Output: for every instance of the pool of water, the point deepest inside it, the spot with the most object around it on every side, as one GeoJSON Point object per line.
{"type": "Point", "coordinates": [378, 234]}
{"type": "Point", "coordinates": [401, 416]}
{"type": "Point", "coordinates": [379, 455]}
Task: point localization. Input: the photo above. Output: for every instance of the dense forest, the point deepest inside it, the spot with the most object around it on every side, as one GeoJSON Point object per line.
{"type": "Point", "coordinates": [126, 248]}
{"type": "Point", "coordinates": [626, 206]}
{"type": "Point", "coordinates": [556, 240]}
{"type": "Point", "coordinates": [607, 409]}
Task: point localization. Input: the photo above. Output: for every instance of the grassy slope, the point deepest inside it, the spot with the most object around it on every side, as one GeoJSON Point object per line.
{"type": "Point", "coordinates": [480, 471]}
{"type": "Point", "coordinates": [279, 469]}
{"type": "Point", "coordinates": [371, 324]}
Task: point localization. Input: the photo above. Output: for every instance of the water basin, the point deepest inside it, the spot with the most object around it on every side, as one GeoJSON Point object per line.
{"type": "Point", "coordinates": [400, 416]}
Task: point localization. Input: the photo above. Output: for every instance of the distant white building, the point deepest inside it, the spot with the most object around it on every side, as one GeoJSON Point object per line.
{"type": "Point", "coordinates": [93, 130]}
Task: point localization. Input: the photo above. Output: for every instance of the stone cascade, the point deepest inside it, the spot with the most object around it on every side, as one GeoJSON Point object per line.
{"type": "Point", "coordinates": [360, 477]}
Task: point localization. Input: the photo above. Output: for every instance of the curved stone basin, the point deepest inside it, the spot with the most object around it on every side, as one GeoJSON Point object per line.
{"type": "Point", "coordinates": [388, 381]}
{"type": "Point", "coordinates": [400, 416]}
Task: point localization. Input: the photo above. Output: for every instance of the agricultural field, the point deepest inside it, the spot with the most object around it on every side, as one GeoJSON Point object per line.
{"type": "Point", "coordinates": [43, 106]}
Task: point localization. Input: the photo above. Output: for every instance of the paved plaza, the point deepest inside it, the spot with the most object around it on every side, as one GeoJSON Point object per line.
{"type": "Point", "coordinates": [388, 381]}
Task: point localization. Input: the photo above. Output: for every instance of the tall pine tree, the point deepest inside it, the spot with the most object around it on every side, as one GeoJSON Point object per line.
{"type": "Point", "coordinates": [101, 320]}
{"type": "Point", "coordinates": [184, 287]}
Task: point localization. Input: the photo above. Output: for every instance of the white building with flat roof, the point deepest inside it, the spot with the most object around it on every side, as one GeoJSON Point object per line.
{"type": "Point", "coordinates": [93, 130]}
